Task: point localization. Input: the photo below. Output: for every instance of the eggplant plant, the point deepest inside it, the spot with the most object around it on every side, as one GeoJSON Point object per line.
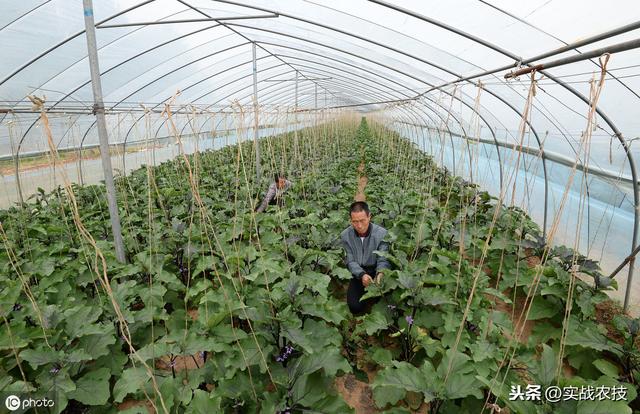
{"type": "Point", "coordinates": [239, 312]}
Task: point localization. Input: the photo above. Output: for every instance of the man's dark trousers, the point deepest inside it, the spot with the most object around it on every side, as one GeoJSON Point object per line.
{"type": "Point", "coordinates": [355, 291]}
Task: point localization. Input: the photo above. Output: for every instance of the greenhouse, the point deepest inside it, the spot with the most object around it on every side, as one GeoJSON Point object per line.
{"type": "Point", "coordinates": [315, 206]}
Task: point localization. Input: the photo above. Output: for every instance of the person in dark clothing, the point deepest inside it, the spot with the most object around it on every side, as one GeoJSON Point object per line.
{"type": "Point", "coordinates": [359, 241]}
{"type": "Point", "coordinates": [275, 192]}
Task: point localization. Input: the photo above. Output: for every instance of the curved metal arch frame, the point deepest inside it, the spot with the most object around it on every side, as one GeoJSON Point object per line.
{"type": "Point", "coordinates": [404, 109]}
{"type": "Point", "coordinates": [68, 39]}
{"type": "Point", "coordinates": [498, 152]}
{"type": "Point", "coordinates": [352, 87]}
{"type": "Point", "coordinates": [181, 67]}
{"type": "Point", "coordinates": [609, 122]}
{"type": "Point", "coordinates": [148, 84]}
{"type": "Point", "coordinates": [124, 62]}
{"type": "Point", "coordinates": [235, 80]}
{"type": "Point", "coordinates": [393, 81]}
{"type": "Point", "coordinates": [509, 105]}
{"type": "Point", "coordinates": [228, 83]}
{"type": "Point", "coordinates": [341, 75]}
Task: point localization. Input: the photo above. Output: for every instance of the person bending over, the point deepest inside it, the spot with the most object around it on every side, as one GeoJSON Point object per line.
{"type": "Point", "coordinates": [275, 192]}
{"type": "Point", "coordinates": [359, 241]}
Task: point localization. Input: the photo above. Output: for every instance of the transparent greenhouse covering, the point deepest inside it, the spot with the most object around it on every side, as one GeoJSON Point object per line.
{"type": "Point", "coordinates": [433, 71]}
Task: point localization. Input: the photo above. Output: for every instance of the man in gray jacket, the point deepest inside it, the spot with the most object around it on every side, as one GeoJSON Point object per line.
{"type": "Point", "coordinates": [359, 241]}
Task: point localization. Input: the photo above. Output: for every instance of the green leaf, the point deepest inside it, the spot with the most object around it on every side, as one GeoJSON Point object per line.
{"type": "Point", "coordinates": [384, 395]}
{"type": "Point", "coordinates": [331, 361]}
{"type": "Point", "coordinates": [79, 320]}
{"type": "Point", "coordinates": [341, 273]}
{"type": "Point", "coordinates": [607, 368]}
{"type": "Point", "coordinates": [382, 357]}
{"type": "Point", "coordinates": [461, 385]}
{"type": "Point", "coordinates": [586, 336]}
{"type": "Point", "coordinates": [204, 403]}
{"type": "Point", "coordinates": [331, 311]}
{"type": "Point", "coordinates": [9, 342]}
{"type": "Point", "coordinates": [130, 382]}
{"type": "Point", "coordinates": [299, 338]}
{"type": "Point", "coordinates": [97, 345]}
{"type": "Point", "coordinates": [454, 362]}
{"type": "Point", "coordinates": [401, 375]}
{"type": "Point", "coordinates": [37, 357]}
{"type": "Point", "coordinates": [374, 322]}
{"type": "Point", "coordinates": [482, 350]}
{"type": "Point", "coordinates": [93, 388]}
{"type": "Point", "coordinates": [543, 332]}
{"type": "Point", "coordinates": [548, 365]}
{"type": "Point", "coordinates": [542, 308]}
{"type": "Point", "coordinates": [602, 407]}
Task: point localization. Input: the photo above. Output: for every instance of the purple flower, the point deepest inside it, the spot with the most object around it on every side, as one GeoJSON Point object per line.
{"type": "Point", "coordinates": [172, 363]}
{"type": "Point", "coordinates": [202, 354]}
{"type": "Point", "coordinates": [54, 370]}
{"type": "Point", "coordinates": [284, 354]}
{"type": "Point", "coordinates": [409, 320]}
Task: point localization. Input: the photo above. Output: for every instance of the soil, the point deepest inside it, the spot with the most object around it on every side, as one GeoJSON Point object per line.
{"type": "Point", "coordinates": [362, 183]}
{"type": "Point", "coordinates": [357, 394]}
{"type": "Point", "coordinates": [193, 314]}
{"type": "Point", "coordinates": [125, 405]}
{"type": "Point", "coordinates": [514, 311]}
{"type": "Point", "coordinates": [605, 312]}
{"type": "Point", "coordinates": [181, 362]}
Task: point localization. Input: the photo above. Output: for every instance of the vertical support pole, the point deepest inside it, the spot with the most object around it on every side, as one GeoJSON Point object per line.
{"type": "Point", "coordinates": [98, 108]}
{"type": "Point", "coordinates": [16, 163]}
{"type": "Point", "coordinates": [296, 103]}
{"type": "Point", "coordinates": [295, 120]}
{"type": "Point", "coordinates": [315, 112]}
{"type": "Point", "coordinates": [255, 111]}
{"type": "Point", "coordinates": [627, 293]}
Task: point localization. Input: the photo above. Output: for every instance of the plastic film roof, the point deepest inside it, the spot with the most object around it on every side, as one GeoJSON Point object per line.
{"type": "Point", "coordinates": [353, 53]}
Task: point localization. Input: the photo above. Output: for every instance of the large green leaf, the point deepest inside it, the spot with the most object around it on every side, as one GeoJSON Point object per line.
{"type": "Point", "coordinates": [586, 336]}
{"type": "Point", "coordinates": [607, 368]}
{"type": "Point", "coordinates": [80, 321]}
{"type": "Point", "coordinates": [331, 361]}
{"type": "Point", "coordinates": [454, 362]}
{"type": "Point", "coordinates": [374, 322]}
{"type": "Point", "coordinates": [204, 403]}
{"type": "Point", "coordinates": [384, 395]}
{"type": "Point", "coordinates": [92, 388]}
{"type": "Point", "coordinates": [130, 382]}
{"type": "Point", "coordinates": [299, 338]}
{"type": "Point", "coordinates": [97, 345]}
{"type": "Point", "coordinates": [548, 365]}
{"type": "Point", "coordinates": [460, 385]}
{"type": "Point", "coordinates": [603, 407]}
{"type": "Point", "coordinates": [42, 356]}
{"type": "Point", "coordinates": [401, 375]}
{"type": "Point", "coordinates": [542, 308]}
